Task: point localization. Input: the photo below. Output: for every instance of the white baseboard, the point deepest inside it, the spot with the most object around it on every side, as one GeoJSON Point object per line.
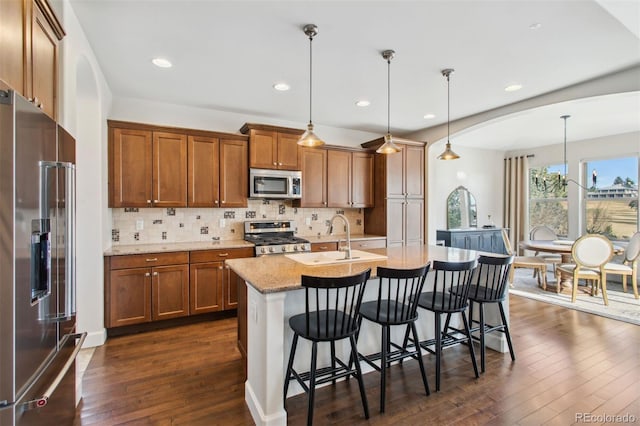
{"type": "Point", "coordinates": [276, 419]}
{"type": "Point", "coordinates": [95, 338]}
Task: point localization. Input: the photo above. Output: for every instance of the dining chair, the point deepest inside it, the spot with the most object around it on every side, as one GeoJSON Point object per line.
{"type": "Point", "coordinates": [544, 233]}
{"type": "Point", "coordinates": [590, 254]}
{"type": "Point", "coordinates": [331, 314]}
{"type": "Point", "coordinates": [536, 263]}
{"type": "Point", "coordinates": [629, 266]}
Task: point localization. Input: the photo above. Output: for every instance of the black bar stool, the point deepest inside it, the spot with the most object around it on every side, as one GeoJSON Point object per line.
{"type": "Point", "coordinates": [489, 285]}
{"type": "Point", "coordinates": [440, 300]}
{"type": "Point", "coordinates": [396, 304]}
{"type": "Point", "coordinates": [331, 311]}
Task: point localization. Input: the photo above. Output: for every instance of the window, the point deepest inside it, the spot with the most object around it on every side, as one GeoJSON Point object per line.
{"type": "Point", "coordinates": [548, 198]}
{"type": "Point", "coordinates": [611, 201]}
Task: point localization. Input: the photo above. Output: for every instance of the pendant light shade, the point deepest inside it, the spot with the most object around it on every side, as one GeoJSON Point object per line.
{"type": "Point", "coordinates": [309, 138]}
{"type": "Point", "coordinates": [389, 147]}
{"type": "Point", "coordinates": [448, 153]}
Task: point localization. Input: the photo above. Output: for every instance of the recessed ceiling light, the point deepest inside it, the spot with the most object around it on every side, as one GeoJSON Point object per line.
{"type": "Point", "coordinates": [429, 116]}
{"type": "Point", "coordinates": [162, 62]}
{"type": "Point", "coordinates": [513, 87]}
{"type": "Point", "coordinates": [363, 103]}
{"type": "Point", "coordinates": [281, 87]}
{"type": "Point", "coordinates": [535, 26]}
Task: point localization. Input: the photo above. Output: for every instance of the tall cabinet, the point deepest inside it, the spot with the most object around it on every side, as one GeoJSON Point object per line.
{"type": "Point", "coordinates": [399, 195]}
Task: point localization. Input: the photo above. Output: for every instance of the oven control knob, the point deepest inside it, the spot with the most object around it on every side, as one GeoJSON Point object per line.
{"type": "Point", "coordinates": [284, 248]}
{"type": "Point", "coordinates": [295, 248]}
{"type": "Point", "coordinates": [270, 249]}
{"type": "Point", "coordinates": [263, 250]}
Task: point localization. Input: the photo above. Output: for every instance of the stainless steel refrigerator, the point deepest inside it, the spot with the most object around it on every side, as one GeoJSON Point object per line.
{"type": "Point", "coordinates": [38, 343]}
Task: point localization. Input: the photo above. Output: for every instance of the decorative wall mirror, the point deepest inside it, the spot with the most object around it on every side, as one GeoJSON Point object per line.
{"type": "Point", "coordinates": [461, 209]}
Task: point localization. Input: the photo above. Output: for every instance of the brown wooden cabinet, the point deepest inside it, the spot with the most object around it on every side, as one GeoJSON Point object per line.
{"type": "Point", "coordinates": [153, 166]}
{"type": "Point", "coordinates": [212, 284]}
{"type": "Point", "coordinates": [217, 172]}
{"type": "Point", "coordinates": [330, 246]}
{"type": "Point", "coordinates": [350, 179]}
{"type": "Point", "coordinates": [272, 147]}
{"type": "Point", "coordinates": [144, 288]}
{"type": "Point", "coordinates": [29, 37]}
{"type": "Point", "coordinates": [399, 194]}
{"type": "Point", "coordinates": [313, 163]}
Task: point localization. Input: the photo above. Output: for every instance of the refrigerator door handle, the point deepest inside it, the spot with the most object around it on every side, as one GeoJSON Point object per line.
{"type": "Point", "coordinates": [70, 241]}
{"type": "Point", "coordinates": [41, 401]}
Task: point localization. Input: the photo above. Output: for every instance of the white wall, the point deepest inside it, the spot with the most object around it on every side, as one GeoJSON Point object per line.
{"type": "Point", "coordinates": [478, 170]}
{"type": "Point", "coordinates": [84, 99]}
{"type": "Point", "coordinates": [623, 145]}
{"type": "Point", "coordinates": [142, 111]}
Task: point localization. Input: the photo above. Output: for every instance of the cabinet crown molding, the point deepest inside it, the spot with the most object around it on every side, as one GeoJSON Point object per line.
{"type": "Point", "coordinates": [255, 126]}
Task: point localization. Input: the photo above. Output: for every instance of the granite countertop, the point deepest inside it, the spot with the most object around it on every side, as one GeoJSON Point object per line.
{"type": "Point", "coordinates": [169, 247]}
{"type": "Point", "coordinates": [270, 274]}
{"type": "Point", "coordinates": [335, 238]}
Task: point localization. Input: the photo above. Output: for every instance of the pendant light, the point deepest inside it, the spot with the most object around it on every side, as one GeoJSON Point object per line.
{"type": "Point", "coordinates": [308, 138]}
{"type": "Point", "coordinates": [389, 147]}
{"type": "Point", "coordinates": [448, 154]}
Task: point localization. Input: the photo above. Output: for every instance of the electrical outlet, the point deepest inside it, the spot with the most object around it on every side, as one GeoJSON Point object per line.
{"type": "Point", "coordinates": [223, 223]}
{"type": "Point", "coordinates": [307, 221]}
{"type": "Point", "coordinates": [139, 225]}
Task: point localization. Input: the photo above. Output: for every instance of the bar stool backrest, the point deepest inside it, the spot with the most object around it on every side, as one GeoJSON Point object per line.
{"type": "Point", "coordinates": [447, 275]}
{"type": "Point", "coordinates": [490, 278]}
{"type": "Point", "coordinates": [332, 303]}
{"type": "Point", "coordinates": [398, 292]}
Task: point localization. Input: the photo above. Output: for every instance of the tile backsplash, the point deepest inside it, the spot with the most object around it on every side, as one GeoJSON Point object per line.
{"type": "Point", "coordinates": [155, 225]}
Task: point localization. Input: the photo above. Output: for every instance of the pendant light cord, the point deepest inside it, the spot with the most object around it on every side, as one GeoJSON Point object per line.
{"type": "Point", "coordinates": [565, 146]}
{"type": "Point", "coordinates": [388, 95]}
{"type": "Point", "coordinates": [310, 75]}
{"type": "Point", "coordinates": [448, 106]}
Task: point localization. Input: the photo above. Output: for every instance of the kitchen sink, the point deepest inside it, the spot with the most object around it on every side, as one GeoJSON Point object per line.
{"type": "Point", "coordinates": [333, 257]}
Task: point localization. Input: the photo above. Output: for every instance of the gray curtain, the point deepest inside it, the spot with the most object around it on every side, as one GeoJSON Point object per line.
{"type": "Point", "coordinates": [516, 199]}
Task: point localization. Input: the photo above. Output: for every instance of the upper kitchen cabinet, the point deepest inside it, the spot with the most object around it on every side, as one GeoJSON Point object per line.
{"type": "Point", "coordinates": [147, 168]}
{"type": "Point", "coordinates": [217, 171]}
{"type": "Point", "coordinates": [398, 194]}
{"type": "Point", "coordinates": [29, 37]}
{"type": "Point", "coordinates": [272, 147]}
{"type": "Point", "coordinates": [313, 163]}
{"type": "Point", "coordinates": [350, 180]}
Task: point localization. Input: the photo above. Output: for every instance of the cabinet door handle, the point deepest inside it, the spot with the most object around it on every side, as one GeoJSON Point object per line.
{"type": "Point", "coordinates": [274, 163]}
{"type": "Point", "coordinates": [223, 201]}
{"type": "Point", "coordinates": [279, 164]}
{"type": "Point", "coordinates": [323, 247]}
{"type": "Point", "coordinates": [220, 267]}
{"type": "Point", "coordinates": [148, 201]}
{"type": "Point", "coordinates": [155, 201]}
{"type": "Point", "coordinates": [147, 274]}
{"type": "Point", "coordinates": [153, 259]}
{"type": "Point", "coordinates": [223, 254]}
{"type": "Point", "coordinates": [155, 274]}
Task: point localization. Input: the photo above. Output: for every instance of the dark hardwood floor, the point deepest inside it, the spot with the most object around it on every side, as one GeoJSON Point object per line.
{"type": "Point", "coordinates": [567, 363]}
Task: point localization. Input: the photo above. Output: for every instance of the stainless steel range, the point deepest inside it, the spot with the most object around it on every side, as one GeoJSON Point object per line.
{"type": "Point", "coordinates": [274, 237]}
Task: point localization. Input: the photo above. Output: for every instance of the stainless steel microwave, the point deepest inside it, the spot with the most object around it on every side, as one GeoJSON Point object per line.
{"type": "Point", "coordinates": [278, 184]}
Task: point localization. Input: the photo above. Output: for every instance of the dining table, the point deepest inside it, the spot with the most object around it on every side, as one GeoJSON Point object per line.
{"type": "Point", "coordinates": [561, 247]}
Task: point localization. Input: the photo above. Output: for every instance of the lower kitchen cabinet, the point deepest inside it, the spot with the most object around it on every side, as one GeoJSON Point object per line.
{"type": "Point", "coordinates": [212, 284]}
{"type": "Point", "coordinates": [145, 288]}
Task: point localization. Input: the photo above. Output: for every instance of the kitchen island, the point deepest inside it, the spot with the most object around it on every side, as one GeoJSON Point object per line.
{"type": "Point", "coordinates": [273, 295]}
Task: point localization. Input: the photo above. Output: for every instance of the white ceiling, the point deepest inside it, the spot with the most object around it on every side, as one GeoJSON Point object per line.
{"type": "Point", "coordinates": [228, 54]}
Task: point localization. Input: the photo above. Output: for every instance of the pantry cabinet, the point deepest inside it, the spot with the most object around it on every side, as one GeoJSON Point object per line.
{"type": "Point", "coordinates": [399, 196]}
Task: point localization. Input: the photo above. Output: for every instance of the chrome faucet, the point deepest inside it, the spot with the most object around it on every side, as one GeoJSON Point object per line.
{"type": "Point", "coordinates": [346, 249]}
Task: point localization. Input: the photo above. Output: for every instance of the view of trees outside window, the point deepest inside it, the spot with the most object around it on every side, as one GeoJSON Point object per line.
{"type": "Point", "coordinates": [611, 202]}
{"type": "Point", "coordinates": [548, 198]}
